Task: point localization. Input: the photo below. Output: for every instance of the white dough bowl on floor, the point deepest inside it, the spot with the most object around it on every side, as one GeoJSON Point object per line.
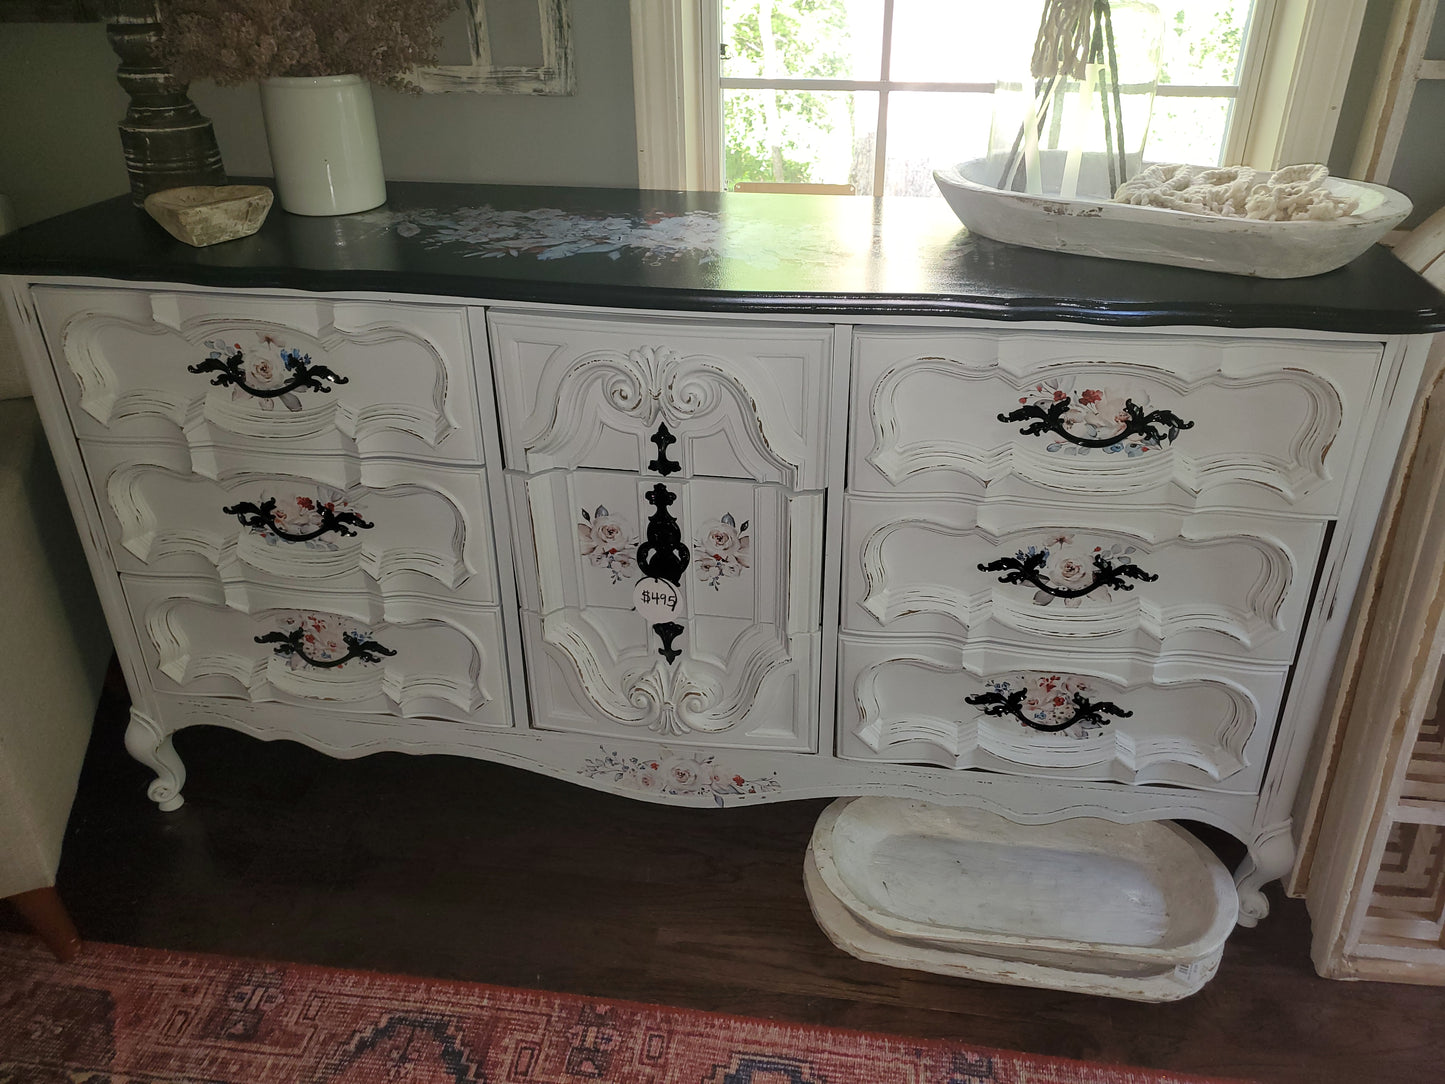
{"type": "Point", "coordinates": [1138, 911]}
{"type": "Point", "coordinates": [1093, 225]}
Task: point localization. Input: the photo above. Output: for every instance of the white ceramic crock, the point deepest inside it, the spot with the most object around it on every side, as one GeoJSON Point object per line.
{"type": "Point", "coordinates": [324, 151]}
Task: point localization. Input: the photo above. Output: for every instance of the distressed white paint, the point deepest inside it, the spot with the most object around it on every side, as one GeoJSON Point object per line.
{"type": "Point", "coordinates": [1293, 431]}
{"type": "Point", "coordinates": [1139, 911]}
{"type": "Point", "coordinates": [1093, 225]}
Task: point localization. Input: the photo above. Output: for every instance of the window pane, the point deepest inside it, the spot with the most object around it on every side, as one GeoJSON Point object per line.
{"type": "Point", "coordinates": [1203, 41]}
{"type": "Point", "coordinates": [1188, 130]}
{"type": "Point", "coordinates": [800, 137]}
{"type": "Point", "coordinates": [932, 131]}
{"type": "Point", "coordinates": [964, 41]}
{"type": "Point", "coordinates": [825, 39]}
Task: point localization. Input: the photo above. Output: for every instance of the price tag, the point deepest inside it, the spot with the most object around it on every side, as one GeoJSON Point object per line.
{"type": "Point", "coordinates": [657, 600]}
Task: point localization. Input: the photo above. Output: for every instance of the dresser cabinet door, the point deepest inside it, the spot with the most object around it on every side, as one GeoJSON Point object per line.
{"type": "Point", "coordinates": [321, 652]}
{"type": "Point", "coordinates": [298, 375]}
{"type": "Point", "coordinates": [729, 654]}
{"type": "Point", "coordinates": [916, 701]}
{"type": "Point", "coordinates": [1080, 576]}
{"type": "Point", "coordinates": [725, 400]}
{"type": "Point", "coordinates": [1214, 421]}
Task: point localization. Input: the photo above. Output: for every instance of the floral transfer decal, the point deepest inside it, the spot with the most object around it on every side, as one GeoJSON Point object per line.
{"type": "Point", "coordinates": [1096, 413]}
{"type": "Point", "coordinates": [268, 365]}
{"type": "Point", "coordinates": [1049, 700]}
{"type": "Point", "coordinates": [656, 237]}
{"type": "Point", "coordinates": [723, 551]}
{"type": "Point", "coordinates": [609, 542]}
{"type": "Point", "coordinates": [1071, 567]}
{"type": "Point", "coordinates": [300, 513]}
{"type": "Point", "coordinates": [323, 640]}
{"type": "Point", "coordinates": [682, 776]}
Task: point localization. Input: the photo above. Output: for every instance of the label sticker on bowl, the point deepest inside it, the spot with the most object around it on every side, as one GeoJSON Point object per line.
{"type": "Point", "coordinates": [657, 600]}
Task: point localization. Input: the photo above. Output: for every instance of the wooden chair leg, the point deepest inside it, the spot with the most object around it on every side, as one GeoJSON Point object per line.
{"type": "Point", "coordinates": [48, 918]}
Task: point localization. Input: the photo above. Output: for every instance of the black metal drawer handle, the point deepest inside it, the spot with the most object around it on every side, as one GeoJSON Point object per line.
{"type": "Point", "coordinates": [290, 643]}
{"type": "Point", "coordinates": [230, 370]}
{"type": "Point", "coordinates": [1157, 425]}
{"type": "Point", "coordinates": [663, 556]}
{"type": "Point", "coordinates": [1025, 569]}
{"type": "Point", "coordinates": [1085, 710]}
{"type": "Point", "coordinates": [263, 516]}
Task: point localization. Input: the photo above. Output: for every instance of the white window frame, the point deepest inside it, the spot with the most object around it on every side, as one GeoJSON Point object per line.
{"type": "Point", "coordinates": [1286, 110]}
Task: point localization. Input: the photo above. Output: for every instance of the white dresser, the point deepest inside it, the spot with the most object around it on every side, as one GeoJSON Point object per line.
{"type": "Point", "coordinates": [859, 506]}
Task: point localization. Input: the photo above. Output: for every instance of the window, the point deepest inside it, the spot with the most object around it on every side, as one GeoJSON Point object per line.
{"type": "Point", "coordinates": [877, 92]}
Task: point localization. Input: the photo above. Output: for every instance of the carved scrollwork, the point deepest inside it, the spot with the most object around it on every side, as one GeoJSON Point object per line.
{"type": "Point", "coordinates": [293, 644]}
{"type": "Point", "coordinates": [1157, 426]}
{"type": "Point", "coordinates": [230, 369]}
{"type": "Point", "coordinates": [1086, 712]}
{"type": "Point", "coordinates": [262, 516]}
{"type": "Point", "coordinates": [1025, 568]}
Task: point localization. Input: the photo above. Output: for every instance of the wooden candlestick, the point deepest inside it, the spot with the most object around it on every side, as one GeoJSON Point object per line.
{"type": "Point", "coordinates": [166, 140]}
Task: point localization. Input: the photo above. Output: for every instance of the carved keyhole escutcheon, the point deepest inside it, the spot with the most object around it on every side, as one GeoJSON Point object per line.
{"type": "Point", "coordinates": [664, 439]}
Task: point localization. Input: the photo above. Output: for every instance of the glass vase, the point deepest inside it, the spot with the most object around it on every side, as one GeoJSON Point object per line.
{"type": "Point", "coordinates": [1075, 121]}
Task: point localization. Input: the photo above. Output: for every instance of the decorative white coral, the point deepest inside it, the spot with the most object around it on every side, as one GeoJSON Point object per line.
{"type": "Point", "coordinates": [1294, 193]}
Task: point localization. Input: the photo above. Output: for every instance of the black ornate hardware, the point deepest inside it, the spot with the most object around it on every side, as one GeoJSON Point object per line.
{"type": "Point", "coordinates": [1050, 419]}
{"type": "Point", "coordinates": [663, 438]}
{"type": "Point", "coordinates": [231, 370]}
{"type": "Point", "coordinates": [290, 643]}
{"type": "Point", "coordinates": [1025, 569]}
{"type": "Point", "coordinates": [664, 556]}
{"type": "Point", "coordinates": [1085, 710]}
{"type": "Point", "coordinates": [263, 516]}
{"type": "Point", "coordinates": [668, 631]}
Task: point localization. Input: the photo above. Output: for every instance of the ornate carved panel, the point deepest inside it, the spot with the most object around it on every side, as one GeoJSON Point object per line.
{"type": "Point", "coordinates": [736, 659]}
{"type": "Point", "coordinates": [740, 402]}
{"type": "Point", "coordinates": [267, 534]}
{"type": "Point", "coordinates": [914, 701]}
{"type": "Point", "coordinates": [1216, 420]}
{"type": "Point", "coordinates": [317, 376]}
{"type": "Point", "coordinates": [447, 666]}
{"type": "Point", "coordinates": [1216, 582]}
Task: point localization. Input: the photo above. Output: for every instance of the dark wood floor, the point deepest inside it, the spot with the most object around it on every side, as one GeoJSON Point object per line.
{"type": "Point", "coordinates": [446, 867]}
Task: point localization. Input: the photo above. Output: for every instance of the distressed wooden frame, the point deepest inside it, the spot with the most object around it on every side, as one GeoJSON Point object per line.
{"type": "Point", "coordinates": [553, 76]}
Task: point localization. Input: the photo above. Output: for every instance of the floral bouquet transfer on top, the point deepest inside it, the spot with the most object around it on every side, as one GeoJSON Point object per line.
{"type": "Point", "coordinates": [1097, 412]}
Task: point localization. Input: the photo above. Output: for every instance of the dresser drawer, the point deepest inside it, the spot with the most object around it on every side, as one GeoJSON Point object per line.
{"type": "Point", "coordinates": [1205, 726]}
{"type": "Point", "coordinates": [664, 396]}
{"type": "Point", "coordinates": [298, 375]}
{"type": "Point", "coordinates": [266, 536]}
{"type": "Point", "coordinates": [1079, 577]}
{"type": "Point", "coordinates": [323, 652]}
{"type": "Point", "coordinates": [1214, 421]}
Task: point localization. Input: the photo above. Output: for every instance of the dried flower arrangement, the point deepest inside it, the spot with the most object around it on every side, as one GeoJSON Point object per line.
{"type": "Point", "coordinates": [241, 41]}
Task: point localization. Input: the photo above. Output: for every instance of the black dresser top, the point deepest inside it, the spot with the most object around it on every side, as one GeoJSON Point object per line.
{"type": "Point", "coordinates": [719, 252]}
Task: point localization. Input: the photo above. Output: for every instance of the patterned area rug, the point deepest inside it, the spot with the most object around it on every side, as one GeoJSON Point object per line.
{"type": "Point", "coordinates": [138, 1016]}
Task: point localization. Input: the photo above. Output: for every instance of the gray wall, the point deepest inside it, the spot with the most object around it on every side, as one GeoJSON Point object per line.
{"type": "Point", "coordinates": [59, 105]}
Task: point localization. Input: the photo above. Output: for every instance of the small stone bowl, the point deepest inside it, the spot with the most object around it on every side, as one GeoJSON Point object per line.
{"type": "Point", "coordinates": [203, 215]}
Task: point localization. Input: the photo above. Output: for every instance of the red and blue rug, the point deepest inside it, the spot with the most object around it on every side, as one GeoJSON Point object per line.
{"type": "Point", "coordinates": [121, 1015]}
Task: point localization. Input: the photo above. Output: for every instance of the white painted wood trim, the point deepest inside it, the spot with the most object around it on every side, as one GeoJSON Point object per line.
{"type": "Point", "coordinates": [674, 81]}
{"type": "Point", "coordinates": [1292, 115]}
{"type": "Point", "coordinates": [1402, 66]}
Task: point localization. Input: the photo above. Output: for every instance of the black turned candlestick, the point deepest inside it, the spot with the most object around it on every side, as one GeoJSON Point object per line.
{"type": "Point", "coordinates": [166, 140]}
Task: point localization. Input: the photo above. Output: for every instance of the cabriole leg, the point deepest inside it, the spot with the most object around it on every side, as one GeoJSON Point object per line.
{"type": "Point", "coordinates": [149, 744]}
{"type": "Point", "coordinates": [1270, 857]}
